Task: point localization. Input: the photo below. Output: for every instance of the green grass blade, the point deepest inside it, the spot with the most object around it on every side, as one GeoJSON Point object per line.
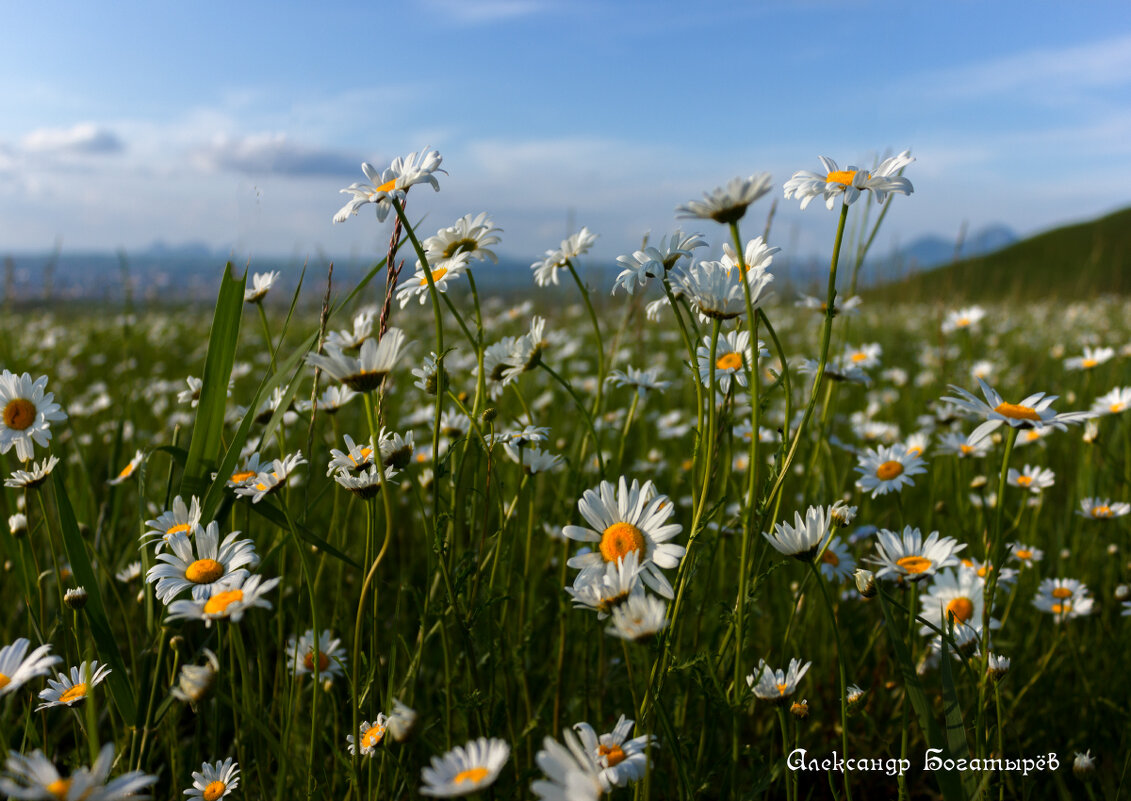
{"type": "Point", "coordinates": [104, 640]}
{"type": "Point", "coordinates": [204, 447]}
{"type": "Point", "coordinates": [955, 727]}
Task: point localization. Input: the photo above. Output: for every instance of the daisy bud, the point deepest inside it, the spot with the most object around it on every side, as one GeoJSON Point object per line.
{"type": "Point", "coordinates": [998, 666]}
{"type": "Point", "coordinates": [75, 598]}
{"type": "Point", "coordinates": [489, 414]}
{"type": "Point", "coordinates": [402, 723]}
{"type": "Point", "coordinates": [1084, 766]}
{"type": "Point", "coordinates": [17, 524]}
{"type": "Point", "coordinates": [865, 582]}
{"type": "Point", "coordinates": [176, 642]}
{"type": "Point", "coordinates": [1112, 549]}
{"type": "Point", "coordinates": [195, 681]}
{"type": "Point", "coordinates": [978, 482]}
{"type": "Point", "coordinates": [1122, 592]}
{"type": "Point", "coordinates": [854, 697]}
{"type": "Point", "coordinates": [1091, 432]}
{"type": "Point", "coordinates": [84, 530]}
{"type": "Point", "coordinates": [800, 709]}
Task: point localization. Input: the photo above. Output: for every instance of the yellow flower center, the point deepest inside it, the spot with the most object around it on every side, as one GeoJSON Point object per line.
{"type": "Point", "coordinates": [214, 790]}
{"type": "Point", "coordinates": [1017, 412]}
{"type": "Point", "coordinates": [841, 177]}
{"type": "Point", "coordinates": [889, 470]}
{"type": "Point", "coordinates": [1024, 481]}
{"type": "Point", "coordinates": [372, 736]}
{"type": "Point", "coordinates": [219, 603]}
{"type": "Point", "coordinates": [962, 322]}
{"type": "Point", "coordinates": [961, 608]}
{"type": "Point", "coordinates": [388, 186]}
{"type": "Point", "coordinates": [1030, 436]}
{"type": "Point", "coordinates": [59, 788]}
{"type": "Point", "coordinates": [964, 448]}
{"type": "Point", "coordinates": [474, 775]}
{"type": "Point", "coordinates": [126, 471]}
{"type": "Point", "coordinates": [365, 454]}
{"type": "Point", "coordinates": [76, 693]}
{"type": "Point", "coordinates": [180, 528]}
{"type": "Point", "coordinates": [830, 558]}
{"type": "Point", "coordinates": [613, 754]}
{"type": "Point", "coordinates": [914, 564]}
{"type": "Point", "coordinates": [1061, 608]}
{"type": "Point", "coordinates": [983, 570]}
{"type": "Point", "coordinates": [1101, 511]}
{"type": "Point", "coordinates": [1024, 553]}
{"type": "Point", "coordinates": [1088, 364]}
{"type": "Point", "coordinates": [729, 361]}
{"type": "Point", "coordinates": [4, 681]}
{"type": "Point", "coordinates": [914, 451]}
{"type": "Point", "coordinates": [239, 478]}
{"type": "Point", "coordinates": [1115, 408]}
{"type": "Point", "coordinates": [436, 276]}
{"type": "Point", "coordinates": [859, 356]}
{"type": "Point", "coordinates": [619, 540]}
{"type": "Point", "coordinates": [782, 688]}
{"type": "Point", "coordinates": [1061, 593]}
{"type": "Point", "coordinates": [323, 661]}
{"type": "Point", "coordinates": [204, 571]}
{"type": "Point", "coordinates": [19, 414]}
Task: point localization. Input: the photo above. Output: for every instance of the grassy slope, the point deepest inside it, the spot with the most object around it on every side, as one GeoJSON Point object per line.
{"type": "Point", "coordinates": [1076, 261]}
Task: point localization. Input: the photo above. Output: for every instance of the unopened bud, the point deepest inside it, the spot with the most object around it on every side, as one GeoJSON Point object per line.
{"type": "Point", "coordinates": [489, 414]}
{"type": "Point", "coordinates": [75, 598]}
{"type": "Point", "coordinates": [865, 582]}
{"type": "Point", "coordinates": [1084, 765]}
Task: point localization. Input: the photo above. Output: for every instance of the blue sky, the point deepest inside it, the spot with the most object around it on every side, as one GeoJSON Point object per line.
{"type": "Point", "coordinates": [237, 124]}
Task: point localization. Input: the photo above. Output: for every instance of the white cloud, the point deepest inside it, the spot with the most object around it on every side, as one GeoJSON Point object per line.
{"type": "Point", "coordinates": [85, 139]}
{"type": "Point", "coordinates": [271, 154]}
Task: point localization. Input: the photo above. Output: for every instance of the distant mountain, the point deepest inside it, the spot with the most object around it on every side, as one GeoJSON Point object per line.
{"type": "Point", "coordinates": [1074, 261]}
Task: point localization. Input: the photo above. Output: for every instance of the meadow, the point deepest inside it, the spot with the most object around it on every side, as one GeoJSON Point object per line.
{"type": "Point", "coordinates": [650, 540]}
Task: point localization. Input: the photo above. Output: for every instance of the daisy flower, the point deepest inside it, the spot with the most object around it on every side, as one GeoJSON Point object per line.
{"type": "Point", "coordinates": [967, 318]}
{"type": "Point", "coordinates": [1102, 509]}
{"type": "Point", "coordinates": [621, 760]}
{"type": "Point", "coordinates": [776, 685]}
{"type": "Point", "coordinates": [215, 780]}
{"type": "Point", "coordinates": [17, 666]}
{"type": "Point", "coordinates": [369, 735]}
{"type": "Point", "coordinates": [887, 468]}
{"type": "Point", "coordinates": [954, 594]}
{"type": "Point", "coordinates": [1114, 402]}
{"type": "Point", "coordinates": [639, 619]}
{"type": "Point", "coordinates": [837, 562]}
{"type": "Point", "coordinates": [267, 481]}
{"type": "Point", "coordinates": [818, 304]}
{"type": "Point", "coordinates": [732, 358]}
{"type": "Point", "coordinates": [228, 604]}
{"type": "Point", "coordinates": [850, 182]}
{"type": "Point", "coordinates": [625, 519]}
{"type": "Point", "coordinates": [727, 204]}
{"type": "Point", "coordinates": [546, 270]}
{"type": "Point", "coordinates": [366, 372]}
{"type": "Point", "coordinates": [72, 690]}
{"type": "Point", "coordinates": [1063, 598]}
{"type": "Point", "coordinates": [468, 235]}
{"type": "Point", "coordinates": [983, 569]}
{"type": "Point", "coordinates": [35, 476]}
{"type": "Point", "coordinates": [865, 357]}
{"type": "Point", "coordinates": [954, 443]}
{"type": "Point", "coordinates": [333, 398]}
{"type": "Point", "coordinates": [1083, 765]}
{"type": "Point", "coordinates": [245, 473]}
{"type": "Point", "coordinates": [26, 412]}
{"type": "Point", "coordinates": [715, 287]}
{"type": "Point", "coordinates": [803, 539]}
{"type": "Point", "coordinates": [352, 340]}
{"type": "Point", "coordinates": [642, 380]}
{"type": "Point", "coordinates": [997, 666]}
{"type": "Point", "coordinates": [331, 655]}
{"type": "Point", "coordinates": [203, 564]}
{"type": "Point", "coordinates": [394, 181]}
{"type": "Point", "coordinates": [402, 723]}
{"type": "Point", "coordinates": [1026, 554]}
{"type": "Point", "coordinates": [465, 769]}
{"type": "Point", "coordinates": [354, 458]}
{"type": "Point", "coordinates": [1033, 412]}
{"type": "Point", "coordinates": [261, 284]}
{"type": "Point", "coordinates": [180, 519]}
{"type": "Point", "coordinates": [195, 681]}
{"type": "Point", "coordinates": [443, 273]}
{"type": "Point", "coordinates": [17, 524]}
{"type": "Point", "coordinates": [605, 587]}
{"type": "Point", "coordinates": [533, 460]}
{"type": "Point", "coordinates": [654, 261]}
{"type": "Point", "coordinates": [570, 772]}
{"type": "Point", "coordinates": [1092, 358]}
{"type": "Point", "coordinates": [909, 556]}
{"type": "Point", "coordinates": [1031, 478]}
{"type": "Point", "coordinates": [129, 469]}
{"type": "Point", "coordinates": [36, 777]}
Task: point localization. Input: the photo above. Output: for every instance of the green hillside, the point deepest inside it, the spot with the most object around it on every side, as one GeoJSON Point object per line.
{"type": "Point", "coordinates": [1076, 261]}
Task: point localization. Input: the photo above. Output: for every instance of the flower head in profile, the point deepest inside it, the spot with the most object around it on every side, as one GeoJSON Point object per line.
{"type": "Point", "coordinates": [727, 204]}
{"type": "Point", "coordinates": [620, 759]}
{"type": "Point", "coordinates": [465, 769]}
{"type": "Point", "coordinates": [1092, 358]}
{"type": "Point", "coordinates": [215, 780]}
{"type": "Point", "coordinates": [570, 772]}
{"type": "Point", "coordinates": [261, 284]}
{"type": "Point", "coordinates": [128, 470]}
{"type": "Point", "coordinates": [470, 235]}
{"type": "Point", "coordinates": [26, 412]}
{"type": "Point", "coordinates": [1114, 402]}
{"type": "Point", "coordinates": [365, 373]}
{"type": "Point", "coordinates": [850, 182]}
{"type": "Point", "coordinates": [29, 479]}
{"type": "Point", "coordinates": [803, 539]}
{"type": "Point", "coordinates": [443, 274]}
{"type": "Point", "coordinates": [195, 681]}
{"type": "Point", "coordinates": [394, 181]}
{"type": "Point", "coordinates": [1102, 508]}
{"type": "Point", "coordinates": [642, 380]}
{"type": "Point", "coordinates": [603, 588]}
{"type": "Point", "coordinates": [639, 619]}
{"type": "Point", "coordinates": [72, 690]}
{"type": "Point", "coordinates": [181, 519]}
{"type": "Point", "coordinates": [270, 479]}
{"type": "Point", "coordinates": [776, 685]}
{"type": "Point", "coordinates": [546, 270]}
{"type": "Point", "coordinates": [1033, 412]}
{"type": "Point", "coordinates": [715, 288]}
{"type": "Point", "coordinates": [654, 261]}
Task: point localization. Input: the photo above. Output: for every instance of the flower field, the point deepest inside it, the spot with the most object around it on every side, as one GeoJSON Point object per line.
{"type": "Point", "coordinates": [684, 535]}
